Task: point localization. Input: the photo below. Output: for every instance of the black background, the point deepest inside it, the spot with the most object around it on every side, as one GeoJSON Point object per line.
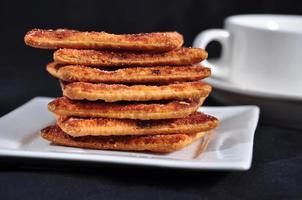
{"type": "Point", "coordinates": [277, 160]}
{"type": "Point", "coordinates": [22, 71]}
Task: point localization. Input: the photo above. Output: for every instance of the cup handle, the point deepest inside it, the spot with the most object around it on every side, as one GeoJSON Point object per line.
{"type": "Point", "coordinates": [219, 67]}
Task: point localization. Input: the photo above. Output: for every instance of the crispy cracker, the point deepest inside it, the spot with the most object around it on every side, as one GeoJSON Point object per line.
{"type": "Point", "coordinates": [65, 38]}
{"type": "Point", "coordinates": [159, 74]}
{"type": "Point", "coordinates": [125, 110]}
{"type": "Point", "coordinates": [182, 56]}
{"type": "Point", "coordinates": [119, 92]}
{"type": "Point", "coordinates": [193, 123]}
{"type": "Point", "coordinates": [153, 143]}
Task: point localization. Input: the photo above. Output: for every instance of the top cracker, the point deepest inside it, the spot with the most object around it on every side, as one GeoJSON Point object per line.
{"type": "Point", "coordinates": [65, 38]}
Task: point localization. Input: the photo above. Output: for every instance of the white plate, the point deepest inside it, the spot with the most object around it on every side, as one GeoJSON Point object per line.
{"type": "Point", "coordinates": [276, 109]}
{"type": "Point", "coordinates": [230, 149]}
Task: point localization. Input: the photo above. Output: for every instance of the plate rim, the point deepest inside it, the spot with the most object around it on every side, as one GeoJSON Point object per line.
{"type": "Point", "coordinates": [230, 87]}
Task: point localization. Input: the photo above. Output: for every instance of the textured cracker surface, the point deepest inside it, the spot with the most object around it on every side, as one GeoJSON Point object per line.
{"type": "Point", "coordinates": [159, 74]}
{"type": "Point", "coordinates": [64, 38]}
{"type": "Point", "coordinates": [125, 110]}
{"type": "Point", "coordinates": [153, 143]}
{"type": "Point", "coordinates": [193, 123]}
{"type": "Point", "coordinates": [182, 56]}
{"type": "Point", "coordinates": [119, 92]}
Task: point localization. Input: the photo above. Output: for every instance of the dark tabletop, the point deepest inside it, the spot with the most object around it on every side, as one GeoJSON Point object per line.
{"type": "Point", "coordinates": [276, 171]}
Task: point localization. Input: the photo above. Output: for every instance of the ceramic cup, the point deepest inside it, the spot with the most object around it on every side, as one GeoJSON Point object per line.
{"type": "Point", "coordinates": [260, 52]}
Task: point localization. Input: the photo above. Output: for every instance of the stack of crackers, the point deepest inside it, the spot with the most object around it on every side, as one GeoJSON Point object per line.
{"type": "Point", "coordinates": [132, 92]}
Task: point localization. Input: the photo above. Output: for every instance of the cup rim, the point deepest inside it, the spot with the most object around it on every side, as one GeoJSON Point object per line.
{"type": "Point", "coordinates": [233, 20]}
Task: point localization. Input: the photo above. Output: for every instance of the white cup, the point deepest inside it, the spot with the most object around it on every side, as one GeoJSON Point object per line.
{"type": "Point", "coordinates": [259, 52]}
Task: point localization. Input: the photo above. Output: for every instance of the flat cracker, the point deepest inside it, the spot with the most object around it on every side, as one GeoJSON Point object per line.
{"type": "Point", "coordinates": [125, 110]}
{"type": "Point", "coordinates": [182, 56]}
{"type": "Point", "coordinates": [119, 92]}
{"type": "Point", "coordinates": [159, 74]}
{"type": "Point", "coordinates": [76, 127]}
{"type": "Point", "coordinates": [153, 143]}
{"type": "Point", "coordinates": [65, 38]}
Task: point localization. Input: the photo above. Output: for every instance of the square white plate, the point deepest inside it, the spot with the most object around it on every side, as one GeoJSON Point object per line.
{"type": "Point", "coordinates": [231, 147]}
